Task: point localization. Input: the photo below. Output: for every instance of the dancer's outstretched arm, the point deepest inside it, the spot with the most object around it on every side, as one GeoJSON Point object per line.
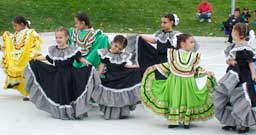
{"type": "Point", "coordinates": [231, 62]}
{"type": "Point", "coordinates": [149, 39]}
{"type": "Point", "coordinates": [131, 66]}
{"type": "Point", "coordinates": [41, 58]}
{"type": "Point", "coordinates": [82, 59]}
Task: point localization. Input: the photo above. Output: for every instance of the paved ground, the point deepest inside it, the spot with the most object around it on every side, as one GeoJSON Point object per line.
{"type": "Point", "coordinates": [22, 118]}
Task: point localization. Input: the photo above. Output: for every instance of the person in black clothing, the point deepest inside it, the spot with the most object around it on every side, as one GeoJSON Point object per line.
{"type": "Point", "coordinates": [55, 86]}
{"type": "Point", "coordinates": [234, 19]}
{"type": "Point", "coordinates": [235, 96]}
{"type": "Point", "coordinates": [163, 39]}
{"type": "Point", "coordinates": [119, 91]}
{"type": "Point", "coordinates": [246, 15]}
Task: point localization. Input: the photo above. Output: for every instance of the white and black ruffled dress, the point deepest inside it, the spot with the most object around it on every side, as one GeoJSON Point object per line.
{"type": "Point", "coordinates": [235, 95]}
{"type": "Point", "coordinates": [59, 88]}
{"type": "Point", "coordinates": [119, 91]}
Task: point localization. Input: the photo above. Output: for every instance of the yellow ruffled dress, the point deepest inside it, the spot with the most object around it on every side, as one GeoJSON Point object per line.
{"type": "Point", "coordinates": [18, 49]}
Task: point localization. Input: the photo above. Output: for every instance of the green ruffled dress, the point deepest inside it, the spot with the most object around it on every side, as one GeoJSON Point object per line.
{"type": "Point", "coordinates": [178, 98]}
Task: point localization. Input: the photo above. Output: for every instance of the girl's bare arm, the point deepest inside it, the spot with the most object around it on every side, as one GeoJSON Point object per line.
{"type": "Point", "coordinates": [82, 59]}
{"type": "Point", "coordinates": [131, 66]}
{"type": "Point", "coordinates": [149, 39]}
{"type": "Point", "coordinates": [101, 68]}
{"type": "Point", "coordinates": [251, 66]}
{"type": "Point", "coordinates": [41, 58]}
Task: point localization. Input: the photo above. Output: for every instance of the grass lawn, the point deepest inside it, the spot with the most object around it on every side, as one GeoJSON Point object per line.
{"type": "Point", "coordinates": [129, 16]}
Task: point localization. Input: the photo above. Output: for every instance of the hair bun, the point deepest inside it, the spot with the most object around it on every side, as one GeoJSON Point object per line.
{"type": "Point", "coordinates": [176, 19]}
{"type": "Point", "coordinates": [29, 23]}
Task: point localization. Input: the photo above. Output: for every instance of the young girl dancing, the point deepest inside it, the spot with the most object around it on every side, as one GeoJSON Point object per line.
{"type": "Point", "coordinates": [152, 50]}
{"type": "Point", "coordinates": [19, 48]}
{"type": "Point", "coordinates": [57, 87]}
{"type": "Point", "coordinates": [119, 92]}
{"type": "Point", "coordinates": [234, 96]}
{"type": "Point", "coordinates": [179, 98]}
{"type": "Point", "coordinates": [87, 39]}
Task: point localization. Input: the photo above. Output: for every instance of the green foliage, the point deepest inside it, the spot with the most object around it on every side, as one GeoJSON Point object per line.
{"type": "Point", "coordinates": [128, 16]}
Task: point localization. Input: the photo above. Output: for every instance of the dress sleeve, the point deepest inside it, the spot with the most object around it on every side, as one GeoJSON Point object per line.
{"type": "Point", "coordinates": [77, 56]}
{"type": "Point", "coordinates": [244, 56]}
{"type": "Point", "coordinates": [163, 47]}
{"type": "Point", "coordinates": [49, 59]}
{"type": "Point", "coordinates": [163, 69]}
{"type": "Point", "coordinates": [103, 60]}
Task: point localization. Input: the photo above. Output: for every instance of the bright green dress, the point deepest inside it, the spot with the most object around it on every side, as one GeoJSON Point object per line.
{"type": "Point", "coordinates": [89, 41]}
{"type": "Point", "coordinates": [178, 98]}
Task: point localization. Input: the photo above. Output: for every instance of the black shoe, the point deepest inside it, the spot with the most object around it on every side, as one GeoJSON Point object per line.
{"type": "Point", "coordinates": [82, 116]}
{"type": "Point", "coordinates": [25, 99]}
{"type": "Point", "coordinates": [186, 126]}
{"type": "Point", "coordinates": [12, 85]}
{"type": "Point", "coordinates": [229, 128]}
{"type": "Point", "coordinates": [139, 102]}
{"type": "Point", "coordinates": [172, 126]}
{"type": "Point", "coordinates": [247, 128]}
{"type": "Point", "coordinates": [243, 130]}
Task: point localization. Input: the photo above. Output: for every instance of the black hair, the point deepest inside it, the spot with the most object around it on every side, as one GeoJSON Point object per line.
{"type": "Point", "coordinates": [83, 17]}
{"type": "Point", "coordinates": [62, 29]}
{"type": "Point", "coordinates": [21, 20]}
{"type": "Point", "coordinates": [237, 9]}
{"type": "Point", "coordinates": [120, 39]}
{"type": "Point", "coordinates": [170, 17]}
{"type": "Point", "coordinates": [182, 38]}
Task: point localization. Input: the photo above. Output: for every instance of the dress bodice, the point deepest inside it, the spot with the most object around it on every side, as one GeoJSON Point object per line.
{"type": "Point", "coordinates": [63, 57]}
